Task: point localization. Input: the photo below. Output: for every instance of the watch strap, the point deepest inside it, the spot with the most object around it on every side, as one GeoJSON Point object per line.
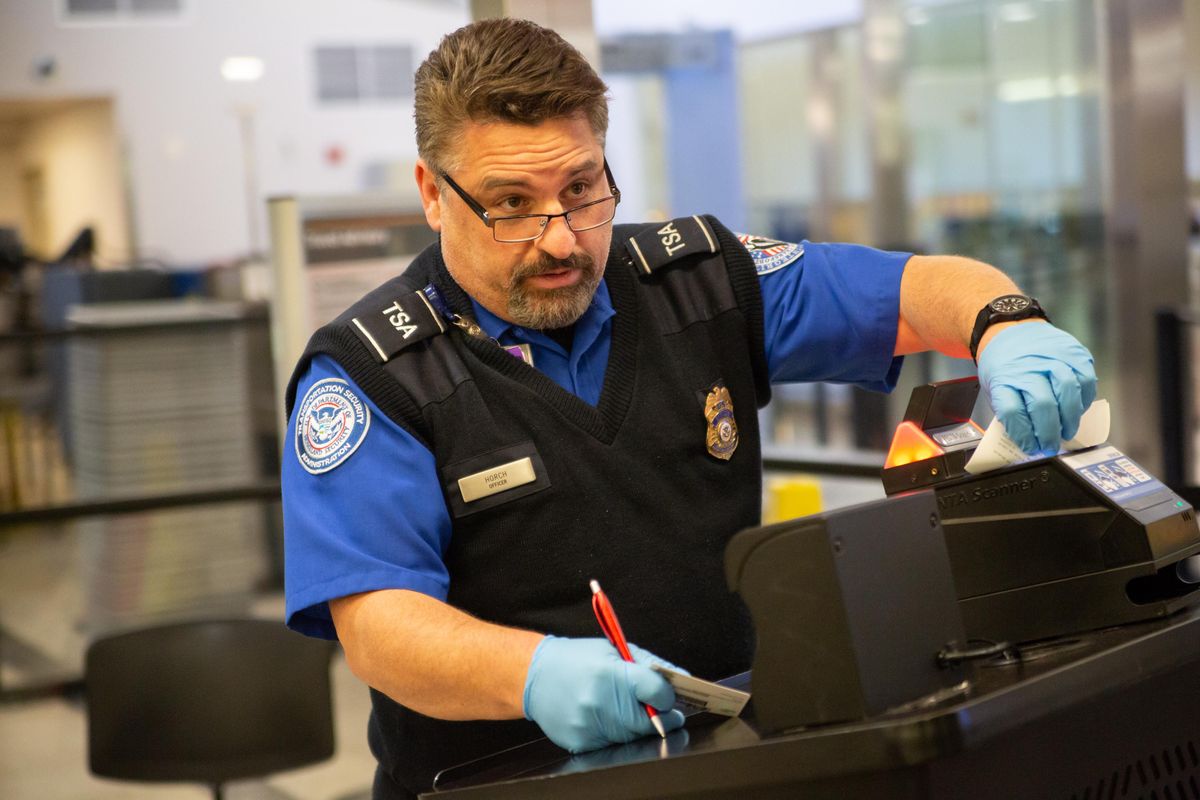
{"type": "Point", "coordinates": [988, 316]}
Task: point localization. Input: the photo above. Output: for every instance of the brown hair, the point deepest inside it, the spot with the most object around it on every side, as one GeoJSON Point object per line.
{"type": "Point", "coordinates": [509, 70]}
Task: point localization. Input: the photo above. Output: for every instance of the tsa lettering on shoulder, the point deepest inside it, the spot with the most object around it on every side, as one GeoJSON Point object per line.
{"type": "Point", "coordinates": [400, 319]}
{"type": "Point", "coordinates": [671, 238]}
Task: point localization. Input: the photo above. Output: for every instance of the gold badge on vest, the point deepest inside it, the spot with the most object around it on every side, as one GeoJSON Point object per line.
{"type": "Point", "coordinates": [722, 435]}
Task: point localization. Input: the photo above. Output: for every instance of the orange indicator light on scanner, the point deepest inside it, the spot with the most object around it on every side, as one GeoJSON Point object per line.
{"type": "Point", "coordinates": [910, 444]}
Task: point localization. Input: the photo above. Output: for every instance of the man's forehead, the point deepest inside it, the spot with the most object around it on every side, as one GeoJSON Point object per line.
{"type": "Point", "coordinates": [506, 152]}
{"type": "Point", "coordinates": [500, 177]}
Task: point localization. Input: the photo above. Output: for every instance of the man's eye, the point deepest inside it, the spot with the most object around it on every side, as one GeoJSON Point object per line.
{"type": "Point", "coordinates": [511, 203]}
{"type": "Point", "coordinates": [579, 189]}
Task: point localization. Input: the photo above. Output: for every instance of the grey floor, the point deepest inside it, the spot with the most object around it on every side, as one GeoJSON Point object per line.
{"type": "Point", "coordinates": [46, 602]}
{"type": "Point", "coordinates": [43, 756]}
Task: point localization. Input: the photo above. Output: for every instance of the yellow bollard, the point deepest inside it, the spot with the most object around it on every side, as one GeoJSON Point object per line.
{"type": "Point", "coordinates": [792, 497]}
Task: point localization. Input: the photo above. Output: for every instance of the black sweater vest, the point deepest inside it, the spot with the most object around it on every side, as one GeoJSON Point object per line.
{"type": "Point", "coordinates": [625, 492]}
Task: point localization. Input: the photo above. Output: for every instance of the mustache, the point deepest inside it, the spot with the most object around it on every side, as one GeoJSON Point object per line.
{"type": "Point", "coordinates": [546, 263]}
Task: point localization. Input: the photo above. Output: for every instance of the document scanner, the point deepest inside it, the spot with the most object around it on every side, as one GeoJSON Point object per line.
{"type": "Point", "coordinates": [851, 609]}
{"type": "Point", "coordinates": [1047, 546]}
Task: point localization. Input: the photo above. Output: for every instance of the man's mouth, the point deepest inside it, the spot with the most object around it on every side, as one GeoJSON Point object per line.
{"type": "Point", "coordinates": [554, 279]}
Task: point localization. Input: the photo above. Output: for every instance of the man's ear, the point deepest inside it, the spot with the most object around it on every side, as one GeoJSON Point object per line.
{"type": "Point", "coordinates": [431, 198]}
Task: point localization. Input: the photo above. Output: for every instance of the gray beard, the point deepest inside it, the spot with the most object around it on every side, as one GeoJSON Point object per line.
{"type": "Point", "coordinates": [553, 308]}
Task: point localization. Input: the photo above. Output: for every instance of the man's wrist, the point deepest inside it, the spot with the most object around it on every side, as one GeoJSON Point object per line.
{"type": "Point", "coordinates": [528, 683]}
{"type": "Point", "coordinates": [995, 328]}
{"type": "Point", "coordinates": [1005, 308]}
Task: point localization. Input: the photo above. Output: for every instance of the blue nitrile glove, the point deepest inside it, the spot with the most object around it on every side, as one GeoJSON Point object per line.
{"type": "Point", "coordinates": [585, 696]}
{"type": "Point", "coordinates": [1040, 380]}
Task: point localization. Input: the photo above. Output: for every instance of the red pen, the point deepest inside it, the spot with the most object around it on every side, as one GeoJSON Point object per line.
{"type": "Point", "coordinates": [607, 618]}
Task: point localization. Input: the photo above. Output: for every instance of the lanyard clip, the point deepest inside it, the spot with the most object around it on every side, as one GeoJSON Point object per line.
{"type": "Point", "coordinates": [465, 324]}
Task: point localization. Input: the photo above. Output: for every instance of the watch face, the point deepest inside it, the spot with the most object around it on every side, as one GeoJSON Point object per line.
{"type": "Point", "coordinates": [1010, 303]}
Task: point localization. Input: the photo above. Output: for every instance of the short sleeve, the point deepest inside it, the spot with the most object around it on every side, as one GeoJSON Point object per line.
{"type": "Point", "coordinates": [832, 315]}
{"type": "Point", "coordinates": [362, 503]}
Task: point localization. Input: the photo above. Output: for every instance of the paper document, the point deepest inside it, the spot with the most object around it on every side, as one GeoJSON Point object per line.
{"type": "Point", "coordinates": [996, 450]}
{"type": "Point", "coordinates": [704, 695]}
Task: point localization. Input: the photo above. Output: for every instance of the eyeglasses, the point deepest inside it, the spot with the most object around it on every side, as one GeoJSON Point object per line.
{"type": "Point", "coordinates": [527, 227]}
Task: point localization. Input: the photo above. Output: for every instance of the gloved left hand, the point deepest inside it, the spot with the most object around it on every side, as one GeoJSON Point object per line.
{"type": "Point", "coordinates": [1039, 380]}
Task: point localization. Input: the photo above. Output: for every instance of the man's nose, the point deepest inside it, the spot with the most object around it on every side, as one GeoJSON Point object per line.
{"type": "Point", "coordinates": [559, 240]}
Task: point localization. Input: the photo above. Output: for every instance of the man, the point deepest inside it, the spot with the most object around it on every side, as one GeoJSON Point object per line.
{"type": "Point", "coordinates": [542, 399]}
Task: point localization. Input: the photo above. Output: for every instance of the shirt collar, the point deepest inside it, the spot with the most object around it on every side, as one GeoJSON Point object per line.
{"type": "Point", "coordinates": [598, 312]}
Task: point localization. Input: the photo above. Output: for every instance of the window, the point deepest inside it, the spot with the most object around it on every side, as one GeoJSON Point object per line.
{"type": "Point", "coordinates": [364, 74]}
{"type": "Point", "coordinates": [82, 8]}
{"type": "Point", "coordinates": [109, 12]}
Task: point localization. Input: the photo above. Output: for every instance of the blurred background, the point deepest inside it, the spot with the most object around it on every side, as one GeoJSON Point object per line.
{"type": "Point", "coordinates": [189, 187]}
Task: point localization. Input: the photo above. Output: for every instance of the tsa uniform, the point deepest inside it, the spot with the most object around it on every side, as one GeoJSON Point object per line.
{"type": "Point", "coordinates": [499, 472]}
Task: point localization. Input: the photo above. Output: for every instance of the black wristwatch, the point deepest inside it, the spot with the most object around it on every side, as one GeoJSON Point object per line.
{"type": "Point", "coordinates": [1006, 308]}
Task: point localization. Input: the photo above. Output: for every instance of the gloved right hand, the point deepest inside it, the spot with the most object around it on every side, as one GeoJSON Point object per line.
{"type": "Point", "coordinates": [584, 696]}
{"type": "Point", "coordinates": [1039, 380]}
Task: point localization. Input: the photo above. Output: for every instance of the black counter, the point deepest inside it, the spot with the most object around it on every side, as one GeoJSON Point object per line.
{"type": "Point", "coordinates": [1108, 714]}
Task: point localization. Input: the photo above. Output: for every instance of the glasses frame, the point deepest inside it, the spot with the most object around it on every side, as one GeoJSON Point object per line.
{"type": "Point", "coordinates": [491, 221]}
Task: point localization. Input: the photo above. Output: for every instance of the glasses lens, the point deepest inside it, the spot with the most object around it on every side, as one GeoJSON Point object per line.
{"type": "Point", "coordinates": [523, 229]}
{"type": "Point", "coordinates": [593, 215]}
{"type": "Point", "coordinates": [518, 229]}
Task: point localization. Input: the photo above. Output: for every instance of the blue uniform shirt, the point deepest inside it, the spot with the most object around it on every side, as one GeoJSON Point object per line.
{"type": "Point", "coordinates": [367, 523]}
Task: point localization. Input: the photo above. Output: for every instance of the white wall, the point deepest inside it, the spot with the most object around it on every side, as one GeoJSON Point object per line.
{"type": "Point", "coordinates": [177, 117]}
{"type": "Point", "coordinates": [11, 213]}
{"type": "Point", "coordinates": [76, 150]}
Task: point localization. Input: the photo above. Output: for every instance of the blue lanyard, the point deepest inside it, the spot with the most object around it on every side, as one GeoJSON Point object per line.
{"type": "Point", "coordinates": [442, 307]}
{"type": "Point", "coordinates": [471, 327]}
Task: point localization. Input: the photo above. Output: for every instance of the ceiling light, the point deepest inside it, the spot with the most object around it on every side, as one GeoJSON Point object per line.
{"type": "Point", "coordinates": [242, 68]}
{"type": "Point", "coordinates": [1017, 12]}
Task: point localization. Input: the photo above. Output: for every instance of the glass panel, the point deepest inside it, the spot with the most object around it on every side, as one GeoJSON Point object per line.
{"type": "Point", "coordinates": [1002, 100]}
{"type": "Point", "coordinates": [854, 148]}
{"type": "Point", "coordinates": [807, 159]}
{"type": "Point", "coordinates": [851, 178]}
{"type": "Point", "coordinates": [777, 143]}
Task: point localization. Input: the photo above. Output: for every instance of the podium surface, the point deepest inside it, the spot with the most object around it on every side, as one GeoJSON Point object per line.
{"type": "Point", "coordinates": [1107, 714]}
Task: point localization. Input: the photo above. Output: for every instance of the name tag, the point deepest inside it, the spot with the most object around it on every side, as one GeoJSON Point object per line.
{"type": "Point", "coordinates": [496, 479]}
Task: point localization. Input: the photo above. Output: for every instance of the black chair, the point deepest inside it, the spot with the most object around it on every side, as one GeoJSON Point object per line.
{"type": "Point", "coordinates": [207, 702]}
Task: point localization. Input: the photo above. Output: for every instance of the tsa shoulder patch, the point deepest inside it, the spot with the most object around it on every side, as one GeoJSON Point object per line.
{"type": "Point", "coordinates": [330, 425]}
{"type": "Point", "coordinates": [769, 254]}
{"type": "Point", "coordinates": [657, 247]}
{"type": "Point", "coordinates": [405, 322]}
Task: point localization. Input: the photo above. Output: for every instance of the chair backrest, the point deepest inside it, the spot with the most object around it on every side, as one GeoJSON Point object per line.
{"type": "Point", "coordinates": [207, 701]}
